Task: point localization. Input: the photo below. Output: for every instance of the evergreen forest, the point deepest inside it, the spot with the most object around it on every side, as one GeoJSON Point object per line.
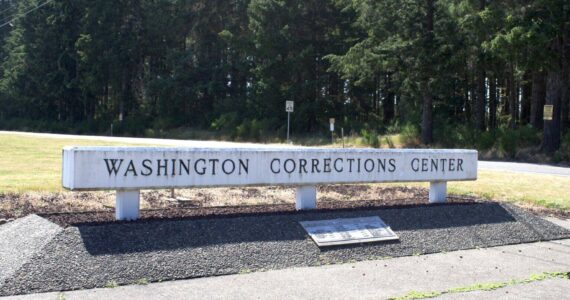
{"type": "Point", "coordinates": [454, 73]}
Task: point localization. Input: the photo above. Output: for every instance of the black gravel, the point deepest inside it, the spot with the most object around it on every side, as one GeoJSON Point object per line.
{"type": "Point", "coordinates": [96, 255]}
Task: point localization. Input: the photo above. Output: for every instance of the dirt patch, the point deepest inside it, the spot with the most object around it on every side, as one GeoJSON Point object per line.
{"type": "Point", "coordinates": [99, 206]}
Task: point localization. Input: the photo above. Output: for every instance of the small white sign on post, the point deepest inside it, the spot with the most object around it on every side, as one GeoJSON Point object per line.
{"type": "Point", "coordinates": [331, 121]}
{"type": "Point", "coordinates": [289, 106]}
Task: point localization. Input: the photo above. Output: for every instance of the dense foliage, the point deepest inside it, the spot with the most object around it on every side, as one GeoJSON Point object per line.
{"type": "Point", "coordinates": [442, 66]}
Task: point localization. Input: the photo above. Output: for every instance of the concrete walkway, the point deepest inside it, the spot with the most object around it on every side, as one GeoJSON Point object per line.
{"type": "Point", "coordinates": [378, 279]}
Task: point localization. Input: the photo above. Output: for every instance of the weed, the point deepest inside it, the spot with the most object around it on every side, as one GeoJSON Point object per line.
{"type": "Point", "coordinates": [111, 284]}
{"type": "Point", "coordinates": [142, 281]}
{"type": "Point", "coordinates": [483, 286]}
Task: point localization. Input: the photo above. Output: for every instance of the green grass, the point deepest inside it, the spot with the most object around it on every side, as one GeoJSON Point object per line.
{"type": "Point", "coordinates": [490, 286]}
{"type": "Point", "coordinates": [34, 164]}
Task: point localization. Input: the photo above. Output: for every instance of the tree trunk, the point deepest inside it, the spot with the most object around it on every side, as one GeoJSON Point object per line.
{"type": "Point", "coordinates": [480, 99]}
{"type": "Point", "coordinates": [551, 138]}
{"type": "Point", "coordinates": [512, 94]}
{"type": "Point", "coordinates": [526, 98]}
{"type": "Point", "coordinates": [537, 99]}
{"type": "Point", "coordinates": [492, 103]}
{"type": "Point", "coordinates": [427, 98]}
{"type": "Point", "coordinates": [480, 102]}
{"type": "Point", "coordinates": [427, 116]}
{"type": "Point", "coordinates": [388, 102]}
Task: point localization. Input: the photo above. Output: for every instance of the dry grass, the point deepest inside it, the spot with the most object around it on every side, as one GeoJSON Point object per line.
{"type": "Point", "coordinates": [14, 205]}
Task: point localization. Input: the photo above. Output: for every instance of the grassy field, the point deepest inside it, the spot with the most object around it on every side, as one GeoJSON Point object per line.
{"type": "Point", "coordinates": [32, 164]}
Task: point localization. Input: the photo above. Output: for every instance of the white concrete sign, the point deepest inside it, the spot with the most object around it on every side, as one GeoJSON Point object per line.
{"type": "Point", "coordinates": [136, 168]}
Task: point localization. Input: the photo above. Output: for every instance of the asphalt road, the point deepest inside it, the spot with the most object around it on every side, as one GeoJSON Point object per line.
{"type": "Point", "coordinates": [483, 165]}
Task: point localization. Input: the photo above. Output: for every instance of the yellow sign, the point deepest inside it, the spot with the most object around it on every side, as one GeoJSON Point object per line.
{"type": "Point", "coordinates": [548, 112]}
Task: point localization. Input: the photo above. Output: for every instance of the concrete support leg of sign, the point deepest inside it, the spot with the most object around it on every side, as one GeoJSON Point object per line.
{"type": "Point", "coordinates": [306, 197]}
{"type": "Point", "coordinates": [127, 205]}
{"type": "Point", "coordinates": [437, 191]}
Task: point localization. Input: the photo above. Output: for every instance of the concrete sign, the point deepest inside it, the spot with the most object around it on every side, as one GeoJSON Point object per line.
{"type": "Point", "coordinates": [130, 169]}
{"type": "Point", "coordinates": [348, 231]}
{"type": "Point", "coordinates": [94, 168]}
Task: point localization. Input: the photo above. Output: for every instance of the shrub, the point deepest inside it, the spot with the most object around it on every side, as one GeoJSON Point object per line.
{"type": "Point", "coordinates": [563, 154]}
{"type": "Point", "coordinates": [485, 141]}
{"type": "Point", "coordinates": [528, 136]}
{"type": "Point", "coordinates": [508, 141]}
{"type": "Point", "coordinates": [410, 135]}
{"type": "Point", "coordinates": [370, 138]}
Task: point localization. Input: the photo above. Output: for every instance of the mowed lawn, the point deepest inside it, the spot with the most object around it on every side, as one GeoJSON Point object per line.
{"type": "Point", "coordinates": [34, 164]}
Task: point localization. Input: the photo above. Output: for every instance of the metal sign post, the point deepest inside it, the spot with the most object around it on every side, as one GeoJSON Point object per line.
{"type": "Point", "coordinates": [289, 105]}
{"type": "Point", "coordinates": [331, 122]}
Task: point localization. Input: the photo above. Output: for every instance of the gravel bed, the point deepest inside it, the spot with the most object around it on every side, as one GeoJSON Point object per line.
{"type": "Point", "coordinates": [107, 253]}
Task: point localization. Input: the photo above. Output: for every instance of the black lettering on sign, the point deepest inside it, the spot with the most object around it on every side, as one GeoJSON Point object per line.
{"type": "Point", "coordinates": [147, 165]}
{"type": "Point", "coordinates": [382, 164]}
{"type": "Point", "coordinates": [327, 165]}
{"type": "Point", "coordinates": [233, 166]}
{"type": "Point", "coordinates": [278, 161]}
{"type": "Point", "coordinates": [350, 161]}
{"type": "Point", "coordinates": [302, 166]}
{"type": "Point", "coordinates": [335, 165]}
{"type": "Point", "coordinates": [392, 162]}
{"type": "Point", "coordinates": [452, 164]}
{"type": "Point", "coordinates": [369, 165]}
{"type": "Point", "coordinates": [163, 167]}
{"type": "Point", "coordinates": [459, 164]}
{"type": "Point", "coordinates": [315, 165]}
{"type": "Point", "coordinates": [131, 168]}
{"type": "Point", "coordinates": [214, 161]}
{"type": "Point", "coordinates": [292, 167]}
{"type": "Point", "coordinates": [113, 168]}
{"type": "Point", "coordinates": [424, 164]}
{"type": "Point", "coordinates": [243, 166]}
{"type": "Point", "coordinates": [415, 164]}
{"type": "Point", "coordinates": [182, 165]}
{"type": "Point", "coordinates": [203, 169]}
{"type": "Point", "coordinates": [434, 164]}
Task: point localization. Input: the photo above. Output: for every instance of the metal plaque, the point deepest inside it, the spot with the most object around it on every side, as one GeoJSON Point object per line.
{"type": "Point", "coordinates": [289, 105]}
{"type": "Point", "coordinates": [548, 112]}
{"type": "Point", "coordinates": [348, 231]}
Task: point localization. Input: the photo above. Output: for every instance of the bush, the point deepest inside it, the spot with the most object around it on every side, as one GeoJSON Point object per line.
{"type": "Point", "coordinates": [370, 138]}
{"type": "Point", "coordinates": [485, 141]}
{"type": "Point", "coordinates": [563, 154]}
{"type": "Point", "coordinates": [508, 141]}
{"type": "Point", "coordinates": [527, 136]}
{"type": "Point", "coordinates": [409, 135]}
